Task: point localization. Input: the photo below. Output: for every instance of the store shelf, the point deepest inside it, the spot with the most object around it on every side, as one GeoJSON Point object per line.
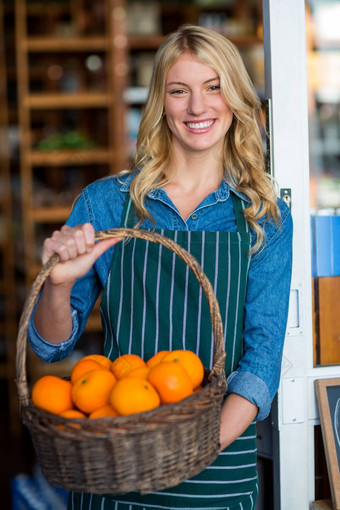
{"type": "Point", "coordinates": [70, 157]}
{"type": "Point", "coordinates": [149, 42]}
{"type": "Point", "coordinates": [152, 42]}
{"type": "Point", "coordinates": [65, 44]}
{"type": "Point", "coordinates": [67, 100]}
{"type": "Point", "coordinates": [50, 214]}
{"type": "Point", "coordinates": [246, 40]}
{"type": "Point", "coordinates": [51, 8]}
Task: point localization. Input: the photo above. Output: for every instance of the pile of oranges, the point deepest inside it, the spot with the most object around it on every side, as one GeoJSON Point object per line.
{"type": "Point", "coordinates": [100, 387]}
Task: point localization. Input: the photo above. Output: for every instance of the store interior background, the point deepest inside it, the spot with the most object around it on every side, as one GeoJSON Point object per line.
{"type": "Point", "coordinates": [73, 81]}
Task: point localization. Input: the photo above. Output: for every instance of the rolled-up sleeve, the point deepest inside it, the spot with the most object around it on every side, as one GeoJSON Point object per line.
{"type": "Point", "coordinates": [266, 310]}
{"type": "Point", "coordinates": [83, 297]}
{"type": "Point", "coordinates": [49, 351]}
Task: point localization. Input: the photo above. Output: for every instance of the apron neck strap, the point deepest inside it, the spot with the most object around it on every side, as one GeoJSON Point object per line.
{"type": "Point", "coordinates": [239, 205]}
{"type": "Point", "coordinates": [128, 215]}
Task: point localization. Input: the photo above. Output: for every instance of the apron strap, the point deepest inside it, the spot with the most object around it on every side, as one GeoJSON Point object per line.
{"type": "Point", "coordinates": [128, 215]}
{"type": "Point", "coordinates": [239, 205]}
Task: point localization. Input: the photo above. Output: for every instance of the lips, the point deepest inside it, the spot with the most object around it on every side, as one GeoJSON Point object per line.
{"type": "Point", "coordinates": [200, 125]}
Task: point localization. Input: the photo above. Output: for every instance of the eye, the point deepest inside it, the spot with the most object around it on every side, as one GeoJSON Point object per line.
{"type": "Point", "coordinates": [215, 87]}
{"type": "Point", "coordinates": [177, 92]}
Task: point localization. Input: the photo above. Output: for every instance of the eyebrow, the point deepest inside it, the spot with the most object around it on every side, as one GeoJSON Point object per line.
{"type": "Point", "coordinates": [185, 84]}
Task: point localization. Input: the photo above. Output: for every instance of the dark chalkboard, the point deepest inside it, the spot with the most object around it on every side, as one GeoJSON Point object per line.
{"type": "Point", "coordinates": [328, 398]}
{"type": "Point", "coordinates": [333, 395]}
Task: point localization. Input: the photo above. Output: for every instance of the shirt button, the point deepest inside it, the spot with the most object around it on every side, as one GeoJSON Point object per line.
{"type": "Point", "coordinates": [194, 216]}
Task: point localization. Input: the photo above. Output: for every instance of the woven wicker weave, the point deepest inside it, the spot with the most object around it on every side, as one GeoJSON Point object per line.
{"type": "Point", "coordinates": [142, 452]}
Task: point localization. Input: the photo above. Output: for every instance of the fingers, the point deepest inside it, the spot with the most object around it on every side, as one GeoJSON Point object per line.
{"type": "Point", "coordinates": [69, 242]}
{"type": "Point", "coordinates": [104, 245]}
{"type": "Point", "coordinates": [77, 251]}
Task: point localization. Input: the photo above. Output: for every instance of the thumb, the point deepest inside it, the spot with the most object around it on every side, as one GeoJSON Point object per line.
{"type": "Point", "coordinates": [102, 246]}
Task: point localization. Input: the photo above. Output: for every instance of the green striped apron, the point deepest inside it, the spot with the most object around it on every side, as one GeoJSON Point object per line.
{"type": "Point", "coordinates": [152, 302]}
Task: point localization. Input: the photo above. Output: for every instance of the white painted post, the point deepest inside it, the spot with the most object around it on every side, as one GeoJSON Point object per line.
{"type": "Point", "coordinates": [286, 86]}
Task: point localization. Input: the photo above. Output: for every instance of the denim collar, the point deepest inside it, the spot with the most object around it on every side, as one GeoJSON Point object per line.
{"type": "Point", "coordinates": [221, 194]}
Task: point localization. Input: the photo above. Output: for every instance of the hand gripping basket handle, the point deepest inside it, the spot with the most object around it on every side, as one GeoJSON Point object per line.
{"type": "Point", "coordinates": [218, 368]}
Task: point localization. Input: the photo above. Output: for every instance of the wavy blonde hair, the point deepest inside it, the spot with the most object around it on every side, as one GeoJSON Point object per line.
{"type": "Point", "coordinates": [243, 155]}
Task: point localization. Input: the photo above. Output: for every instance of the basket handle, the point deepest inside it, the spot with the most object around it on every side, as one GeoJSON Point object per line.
{"type": "Point", "coordinates": [218, 368]}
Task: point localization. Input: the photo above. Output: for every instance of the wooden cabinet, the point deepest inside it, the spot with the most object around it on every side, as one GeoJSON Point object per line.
{"type": "Point", "coordinates": [326, 319]}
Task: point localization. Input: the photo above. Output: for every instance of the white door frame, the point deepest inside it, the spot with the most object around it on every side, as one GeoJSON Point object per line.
{"type": "Point", "coordinates": [294, 411]}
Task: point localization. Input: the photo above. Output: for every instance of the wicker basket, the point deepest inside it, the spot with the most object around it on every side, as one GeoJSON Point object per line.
{"type": "Point", "coordinates": [143, 452]}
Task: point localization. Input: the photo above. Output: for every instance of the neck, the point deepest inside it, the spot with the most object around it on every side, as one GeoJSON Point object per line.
{"type": "Point", "coordinates": [195, 170]}
{"type": "Point", "coordinates": [189, 182]}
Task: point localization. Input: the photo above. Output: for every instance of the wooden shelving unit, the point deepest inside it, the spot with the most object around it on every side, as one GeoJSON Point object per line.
{"type": "Point", "coordinates": [56, 101]}
{"type": "Point", "coordinates": [41, 47]}
{"type": "Point", "coordinates": [7, 279]}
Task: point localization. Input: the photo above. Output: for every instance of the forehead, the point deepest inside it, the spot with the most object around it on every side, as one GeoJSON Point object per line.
{"type": "Point", "coordinates": [188, 67]}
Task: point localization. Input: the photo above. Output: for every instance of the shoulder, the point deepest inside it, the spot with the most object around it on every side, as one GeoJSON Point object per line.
{"type": "Point", "coordinates": [277, 234]}
{"type": "Point", "coordinates": [285, 222]}
{"type": "Point", "coordinates": [110, 184]}
{"type": "Point", "coordinates": [284, 210]}
{"type": "Point", "coordinates": [101, 203]}
{"type": "Point", "coordinates": [109, 187]}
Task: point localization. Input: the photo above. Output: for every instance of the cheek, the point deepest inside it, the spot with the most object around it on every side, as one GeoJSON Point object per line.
{"type": "Point", "coordinates": [170, 124]}
{"type": "Point", "coordinates": [172, 116]}
{"type": "Point", "coordinates": [168, 106]}
{"type": "Point", "coordinates": [229, 116]}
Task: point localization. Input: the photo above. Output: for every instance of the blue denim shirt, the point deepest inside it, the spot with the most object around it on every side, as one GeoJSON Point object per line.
{"type": "Point", "coordinates": [266, 308]}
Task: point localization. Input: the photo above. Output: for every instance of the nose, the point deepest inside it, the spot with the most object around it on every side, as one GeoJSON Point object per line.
{"type": "Point", "coordinates": [196, 104]}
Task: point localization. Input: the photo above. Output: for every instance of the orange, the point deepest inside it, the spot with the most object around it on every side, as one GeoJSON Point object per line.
{"type": "Point", "coordinates": [103, 411]}
{"type": "Point", "coordinates": [131, 396]}
{"type": "Point", "coordinates": [84, 365]}
{"type": "Point", "coordinates": [53, 394]}
{"type": "Point", "coordinates": [122, 365]}
{"type": "Point", "coordinates": [71, 413]}
{"type": "Point", "coordinates": [139, 373]}
{"type": "Point", "coordinates": [92, 390]}
{"type": "Point", "coordinates": [171, 381]}
{"type": "Point", "coordinates": [191, 362]}
{"type": "Point", "coordinates": [103, 360]}
{"type": "Point", "coordinates": [156, 358]}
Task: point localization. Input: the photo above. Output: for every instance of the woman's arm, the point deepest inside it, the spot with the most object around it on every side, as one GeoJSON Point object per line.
{"type": "Point", "coordinates": [257, 376]}
{"type": "Point", "coordinates": [237, 414]}
{"type": "Point", "coordinates": [77, 251]}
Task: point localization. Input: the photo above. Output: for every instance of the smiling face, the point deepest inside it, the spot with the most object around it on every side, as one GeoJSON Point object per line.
{"type": "Point", "coordinates": [196, 113]}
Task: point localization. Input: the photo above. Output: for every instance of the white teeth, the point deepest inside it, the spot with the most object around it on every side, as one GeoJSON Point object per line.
{"type": "Point", "coordinates": [200, 125]}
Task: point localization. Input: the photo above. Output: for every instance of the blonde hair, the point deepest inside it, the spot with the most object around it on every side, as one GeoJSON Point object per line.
{"type": "Point", "coordinates": [243, 156]}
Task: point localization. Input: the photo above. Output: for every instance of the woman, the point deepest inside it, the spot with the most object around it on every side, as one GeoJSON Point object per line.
{"type": "Point", "coordinates": [199, 177]}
